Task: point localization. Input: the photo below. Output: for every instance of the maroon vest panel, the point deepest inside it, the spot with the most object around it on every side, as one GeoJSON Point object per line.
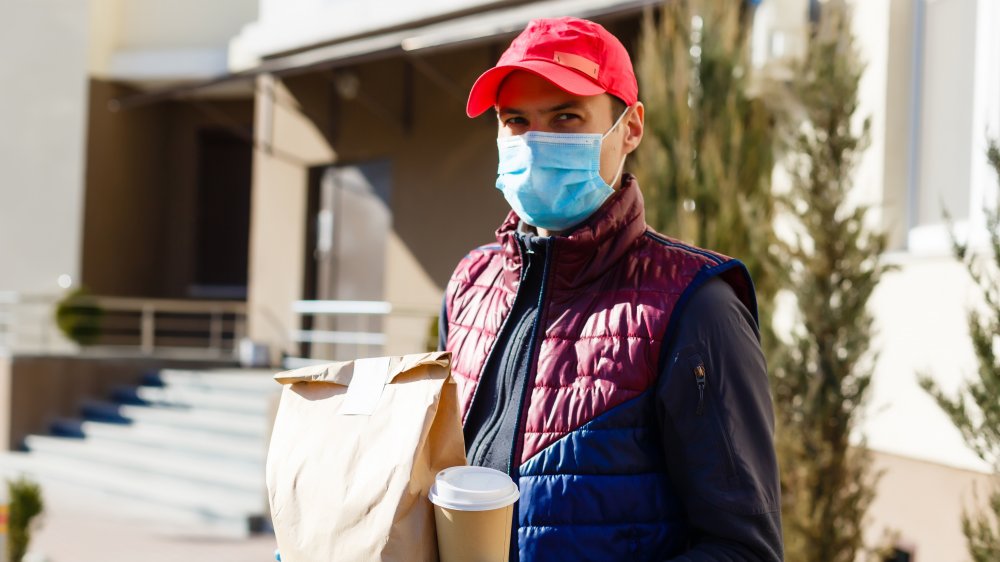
{"type": "Point", "coordinates": [609, 293]}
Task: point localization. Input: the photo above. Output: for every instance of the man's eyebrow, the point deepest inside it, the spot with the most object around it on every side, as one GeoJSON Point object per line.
{"type": "Point", "coordinates": [553, 109]}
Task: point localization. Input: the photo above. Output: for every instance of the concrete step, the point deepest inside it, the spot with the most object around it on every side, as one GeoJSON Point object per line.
{"type": "Point", "coordinates": [186, 447]}
{"type": "Point", "coordinates": [208, 509]}
{"type": "Point", "coordinates": [106, 412]}
{"type": "Point", "coordinates": [247, 425]}
{"type": "Point", "coordinates": [248, 381]}
{"type": "Point", "coordinates": [205, 398]}
{"type": "Point", "coordinates": [218, 472]}
{"type": "Point", "coordinates": [250, 450]}
{"type": "Point", "coordinates": [127, 395]}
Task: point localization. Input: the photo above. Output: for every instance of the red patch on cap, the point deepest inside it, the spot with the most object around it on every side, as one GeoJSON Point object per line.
{"type": "Point", "coordinates": [576, 62]}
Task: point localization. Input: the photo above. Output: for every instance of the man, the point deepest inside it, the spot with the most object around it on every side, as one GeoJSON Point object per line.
{"type": "Point", "coordinates": [614, 373]}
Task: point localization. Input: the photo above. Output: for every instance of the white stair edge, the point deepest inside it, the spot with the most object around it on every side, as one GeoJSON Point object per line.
{"type": "Point", "coordinates": [167, 520]}
{"type": "Point", "coordinates": [213, 399]}
{"type": "Point", "coordinates": [196, 441]}
{"type": "Point", "coordinates": [206, 500]}
{"type": "Point", "coordinates": [223, 474]}
{"type": "Point", "coordinates": [233, 380]}
{"type": "Point", "coordinates": [222, 422]}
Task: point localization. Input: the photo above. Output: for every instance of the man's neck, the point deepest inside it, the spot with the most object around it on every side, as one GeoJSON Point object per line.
{"type": "Point", "coordinates": [526, 228]}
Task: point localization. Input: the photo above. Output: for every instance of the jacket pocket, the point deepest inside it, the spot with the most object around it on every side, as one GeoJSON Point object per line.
{"type": "Point", "coordinates": [709, 413]}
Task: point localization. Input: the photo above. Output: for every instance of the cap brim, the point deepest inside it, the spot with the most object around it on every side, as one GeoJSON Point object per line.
{"type": "Point", "coordinates": [484, 92]}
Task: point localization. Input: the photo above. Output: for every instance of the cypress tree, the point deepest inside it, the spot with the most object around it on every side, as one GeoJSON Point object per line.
{"type": "Point", "coordinates": [707, 153]}
{"type": "Point", "coordinates": [821, 378]}
{"type": "Point", "coordinates": [975, 411]}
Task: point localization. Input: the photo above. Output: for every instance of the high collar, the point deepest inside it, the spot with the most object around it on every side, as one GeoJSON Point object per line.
{"type": "Point", "coordinates": [591, 248]}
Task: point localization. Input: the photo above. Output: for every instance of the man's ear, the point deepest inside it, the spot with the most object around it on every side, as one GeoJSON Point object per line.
{"type": "Point", "coordinates": [633, 128]}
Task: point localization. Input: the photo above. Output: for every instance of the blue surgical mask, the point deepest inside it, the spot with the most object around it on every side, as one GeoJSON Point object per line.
{"type": "Point", "coordinates": [553, 180]}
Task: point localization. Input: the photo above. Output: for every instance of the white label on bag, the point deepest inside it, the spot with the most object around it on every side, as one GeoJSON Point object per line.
{"type": "Point", "coordinates": [366, 386]}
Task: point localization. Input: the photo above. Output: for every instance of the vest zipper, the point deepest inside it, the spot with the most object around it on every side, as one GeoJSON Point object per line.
{"type": "Point", "coordinates": [493, 347]}
{"type": "Point", "coordinates": [529, 379]}
{"type": "Point", "coordinates": [699, 377]}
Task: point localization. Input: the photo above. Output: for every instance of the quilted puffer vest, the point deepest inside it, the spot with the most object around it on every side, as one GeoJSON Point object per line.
{"type": "Point", "coordinates": [592, 468]}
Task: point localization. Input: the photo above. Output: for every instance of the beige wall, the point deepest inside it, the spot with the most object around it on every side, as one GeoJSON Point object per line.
{"type": "Point", "coordinates": [140, 40]}
{"type": "Point", "coordinates": [871, 27]}
{"type": "Point", "coordinates": [900, 127]}
{"type": "Point", "coordinates": [154, 24]}
{"type": "Point", "coordinates": [922, 503]}
{"type": "Point", "coordinates": [920, 314]}
{"type": "Point", "coordinates": [443, 169]}
{"type": "Point", "coordinates": [42, 115]}
{"type": "Point", "coordinates": [920, 309]}
{"type": "Point", "coordinates": [105, 34]}
{"type": "Point", "coordinates": [946, 113]}
{"type": "Point", "coordinates": [285, 25]}
{"type": "Point", "coordinates": [286, 141]}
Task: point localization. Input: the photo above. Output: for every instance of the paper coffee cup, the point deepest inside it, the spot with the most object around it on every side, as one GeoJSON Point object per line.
{"type": "Point", "coordinates": [473, 507]}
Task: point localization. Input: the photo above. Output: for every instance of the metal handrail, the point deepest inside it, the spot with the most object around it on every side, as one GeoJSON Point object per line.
{"type": "Point", "coordinates": [221, 342]}
{"type": "Point", "coordinates": [359, 340]}
{"type": "Point", "coordinates": [14, 310]}
{"type": "Point", "coordinates": [179, 306]}
{"type": "Point", "coordinates": [7, 317]}
{"type": "Point", "coordinates": [339, 337]}
{"type": "Point", "coordinates": [148, 309]}
{"type": "Point", "coordinates": [378, 308]}
{"type": "Point", "coordinates": [364, 341]}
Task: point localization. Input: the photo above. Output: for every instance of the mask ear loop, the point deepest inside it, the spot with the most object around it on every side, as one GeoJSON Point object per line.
{"type": "Point", "coordinates": [621, 165]}
{"type": "Point", "coordinates": [615, 126]}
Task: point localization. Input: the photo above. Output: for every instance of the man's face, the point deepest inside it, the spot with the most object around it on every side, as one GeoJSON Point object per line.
{"type": "Point", "coordinates": [527, 102]}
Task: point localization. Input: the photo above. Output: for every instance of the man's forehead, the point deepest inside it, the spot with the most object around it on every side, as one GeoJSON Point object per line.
{"type": "Point", "coordinates": [523, 90]}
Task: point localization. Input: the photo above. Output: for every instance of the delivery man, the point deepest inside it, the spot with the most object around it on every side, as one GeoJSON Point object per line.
{"type": "Point", "coordinates": [613, 372]}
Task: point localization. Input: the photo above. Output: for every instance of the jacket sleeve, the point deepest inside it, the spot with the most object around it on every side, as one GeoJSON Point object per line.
{"type": "Point", "coordinates": [717, 423]}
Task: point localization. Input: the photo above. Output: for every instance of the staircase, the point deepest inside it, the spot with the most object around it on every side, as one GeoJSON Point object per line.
{"type": "Point", "coordinates": [186, 448]}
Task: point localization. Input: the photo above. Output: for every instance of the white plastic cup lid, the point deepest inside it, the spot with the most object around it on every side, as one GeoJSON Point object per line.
{"type": "Point", "coordinates": [473, 488]}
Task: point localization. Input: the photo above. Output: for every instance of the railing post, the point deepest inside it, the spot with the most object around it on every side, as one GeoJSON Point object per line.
{"type": "Point", "coordinates": [6, 323]}
{"type": "Point", "coordinates": [43, 330]}
{"type": "Point", "coordinates": [215, 332]}
{"type": "Point", "coordinates": [148, 329]}
{"type": "Point", "coordinates": [239, 327]}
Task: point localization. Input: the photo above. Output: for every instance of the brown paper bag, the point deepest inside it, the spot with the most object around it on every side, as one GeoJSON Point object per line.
{"type": "Point", "coordinates": [354, 451]}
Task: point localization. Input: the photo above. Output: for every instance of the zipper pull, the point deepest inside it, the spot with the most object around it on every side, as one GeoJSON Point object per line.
{"type": "Point", "coordinates": [699, 377]}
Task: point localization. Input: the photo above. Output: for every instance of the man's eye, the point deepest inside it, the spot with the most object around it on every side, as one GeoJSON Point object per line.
{"type": "Point", "coordinates": [566, 116]}
{"type": "Point", "coordinates": [511, 121]}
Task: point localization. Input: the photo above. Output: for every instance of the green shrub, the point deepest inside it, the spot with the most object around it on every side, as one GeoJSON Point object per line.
{"type": "Point", "coordinates": [25, 504]}
{"type": "Point", "coordinates": [79, 318]}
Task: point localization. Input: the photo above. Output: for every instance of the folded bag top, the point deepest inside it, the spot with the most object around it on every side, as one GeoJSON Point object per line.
{"type": "Point", "coordinates": [343, 372]}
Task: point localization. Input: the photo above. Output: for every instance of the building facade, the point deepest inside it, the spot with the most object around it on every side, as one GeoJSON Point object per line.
{"type": "Point", "coordinates": [274, 151]}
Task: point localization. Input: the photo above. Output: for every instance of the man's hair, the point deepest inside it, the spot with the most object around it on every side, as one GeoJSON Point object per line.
{"type": "Point", "coordinates": [617, 107]}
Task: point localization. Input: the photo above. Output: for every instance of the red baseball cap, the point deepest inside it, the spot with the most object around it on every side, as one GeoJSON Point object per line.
{"type": "Point", "coordinates": [578, 56]}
